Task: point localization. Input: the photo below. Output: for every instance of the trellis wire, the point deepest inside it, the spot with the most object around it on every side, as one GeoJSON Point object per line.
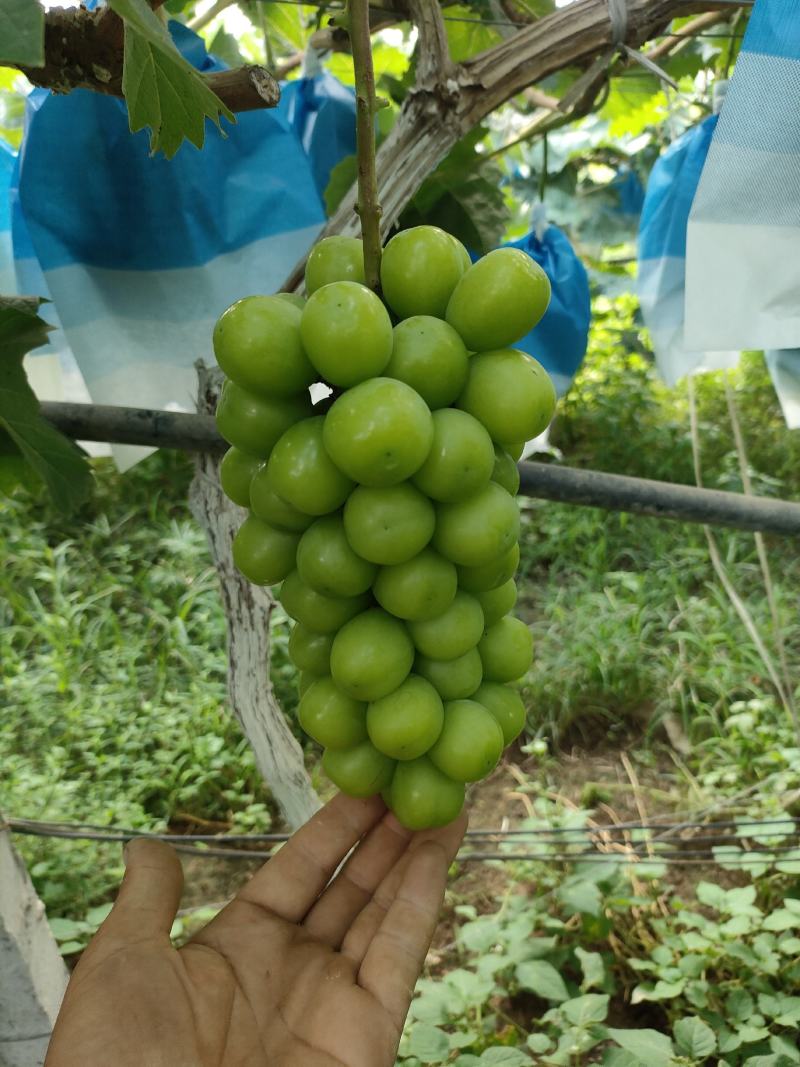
{"type": "Point", "coordinates": [620, 851]}
{"type": "Point", "coordinates": [403, 16]}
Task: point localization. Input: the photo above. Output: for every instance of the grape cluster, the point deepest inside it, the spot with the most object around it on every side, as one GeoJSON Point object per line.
{"type": "Point", "coordinates": [387, 509]}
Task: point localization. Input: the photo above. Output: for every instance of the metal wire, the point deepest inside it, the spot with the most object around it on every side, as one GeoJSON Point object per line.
{"type": "Point", "coordinates": [649, 850]}
{"type": "Point", "coordinates": [403, 16]}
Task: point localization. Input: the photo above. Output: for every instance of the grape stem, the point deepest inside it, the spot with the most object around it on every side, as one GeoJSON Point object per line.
{"type": "Point", "coordinates": [367, 206]}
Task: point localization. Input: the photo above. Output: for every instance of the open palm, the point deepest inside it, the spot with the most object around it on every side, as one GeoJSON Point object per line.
{"type": "Point", "coordinates": [297, 970]}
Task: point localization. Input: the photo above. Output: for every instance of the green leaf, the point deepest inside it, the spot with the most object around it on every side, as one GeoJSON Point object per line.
{"type": "Point", "coordinates": [162, 90]}
{"type": "Point", "coordinates": [739, 1006]}
{"type": "Point", "coordinates": [23, 32]}
{"type": "Point", "coordinates": [428, 1043]}
{"type": "Point", "coordinates": [789, 863]}
{"type": "Point", "coordinates": [166, 94]}
{"type": "Point", "coordinates": [342, 177]}
{"type": "Point", "coordinates": [594, 970]}
{"type": "Point", "coordinates": [694, 1037]}
{"type": "Point", "coordinates": [469, 37]}
{"type": "Point", "coordinates": [650, 1046]}
{"type": "Point", "coordinates": [225, 46]}
{"type": "Point", "coordinates": [66, 929]}
{"type": "Point", "coordinates": [617, 1057]}
{"type": "Point", "coordinates": [660, 991]}
{"type": "Point", "coordinates": [782, 919]}
{"type": "Point", "coordinates": [785, 1047]}
{"type": "Point", "coordinates": [590, 1008]}
{"type": "Point", "coordinates": [581, 897]}
{"type": "Point", "coordinates": [55, 459]}
{"type": "Point", "coordinates": [505, 1057]}
{"type": "Point", "coordinates": [538, 1042]}
{"type": "Point", "coordinates": [541, 978]}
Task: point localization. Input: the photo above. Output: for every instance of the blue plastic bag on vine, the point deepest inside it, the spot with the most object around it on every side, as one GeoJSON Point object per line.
{"type": "Point", "coordinates": [559, 340]}
{"type": "Point", "coordinates": [661, 282]}
{"type": "Point", "coordinates": [141, 254]}
{"type": "Point", "coordinates": [743, 267]}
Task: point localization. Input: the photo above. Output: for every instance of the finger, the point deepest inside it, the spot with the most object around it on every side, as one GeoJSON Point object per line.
{"type": "Point", "coordinates": [397, 953]}
{"type": "Point", "coordinates": [291, 881]}
{"type": "Point", "coordinates": [353, 886]}
{"type": "Point", "coordinates": [366, 925]}
{"type": "Point", "coordinates": [149, 895]}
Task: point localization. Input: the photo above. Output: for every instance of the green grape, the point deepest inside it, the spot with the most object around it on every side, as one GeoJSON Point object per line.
{"type": "Point", "coordinates": [267, 505]}
{"type": "Point", "coordinates": [236, 472]}
{"type": "Point", "coordinates": [498, 300]}
{"type": "Point", "coordinates": [371, 655]}
{"type": "Point", "coordinates": [305, 681]}
{"type": "Point", "coordinates": [506, 472]}
{"type": "Point", "coordinates": [453, 679]}
{"type": "Point", "coordinates": [295, 299]}
{"type": "Point", "coordinates": [347, 333]}
{"type": "Point", "coordinates": [421, 797]}
{"type": "Point", "coordinates": [335, 259]}
{"type": "Point", "coordinates": [420, 268]}
{"type": "Point", "coordinates": [476, 531]}
{"type": "Point", "coordinates": [515, 450]}
{"type": "Point", "coordinates": [404, 724]}
{"type": "Point", "coordinates": [491, 575]}
{"type": "Point", "coordinates": [327, 563]}
{"type": "Point", "coordinates": [420, 588]}
{"type": "Point", "coordinates": [310, 651]}
{"type": "Point", "coordinates": [254, 423]}
{"type": "Point", "coordinates": [360, 771]}
{"type": "Point", "coordinates": [505, 704]}
{"type": "Point", "coordinates": [463, 254]}
{"type": "Point", "coordinates": [460, 460]}
{"type": "Point", "coordinates": [257, 343]}
{"type": "Point", "coordinates": [263, 554]}
{"type": "Point", "coordinates": [506, 650]}
{"type": "Point", "coordinates": [379, 433]}
{"type": "Point", "coordinates": [451, 634]}
{"type": "Point", "coordinates": [301, 471]}
{"type": "Point", "coordinates": [332, 718]}
{"type": "Point", "coordinates": [510, 393]}
{"type": "Point", "coordinates": [470, 744]}
{"type": "Point", "coordinates": [390, 525]}
{"type": "Point", "coordinates": [321, 614]}
{"type": "Point", "coordinates": [497, 602]}
{"type": "Point", "coordinates": [429, 356]}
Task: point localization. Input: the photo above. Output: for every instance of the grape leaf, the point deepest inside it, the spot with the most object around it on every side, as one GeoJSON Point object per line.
{"type": "Point", "coordinates": [23, 32]}
{"type": "Point", "coordinates": [24, 434]}
{"type": "Point", "coordinates": [162, 90]}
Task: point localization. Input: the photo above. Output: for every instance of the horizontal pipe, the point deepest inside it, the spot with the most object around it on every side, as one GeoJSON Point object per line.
{"type": "Point", "coordinates": [569, 485]}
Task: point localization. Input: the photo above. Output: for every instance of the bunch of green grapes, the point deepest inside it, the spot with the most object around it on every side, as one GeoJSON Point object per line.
{"type": "Point", "coordinates": [387, 509]}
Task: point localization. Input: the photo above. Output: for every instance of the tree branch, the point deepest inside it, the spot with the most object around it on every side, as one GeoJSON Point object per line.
{"type": "Point", "coordinates": [369, 208]}
{"type": "Point", "coordinates": [433, 119]}
{"type": "Point", "coordinates": [433, 54]}
{"type": "Point", "coordinates": [83, 50]}
{"type": "Point", "coordinates": [678, 40]}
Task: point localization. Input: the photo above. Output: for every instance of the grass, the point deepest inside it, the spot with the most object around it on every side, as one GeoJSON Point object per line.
{"type": "Point", "coordinates": [112, 637]}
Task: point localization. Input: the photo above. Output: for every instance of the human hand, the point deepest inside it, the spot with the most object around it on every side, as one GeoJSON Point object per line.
{"type": "Point", "coordinates": [297, 971]}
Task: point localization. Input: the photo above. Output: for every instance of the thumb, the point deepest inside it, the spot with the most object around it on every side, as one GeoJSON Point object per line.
{"type": "Point", "coordinates": [150, 892]}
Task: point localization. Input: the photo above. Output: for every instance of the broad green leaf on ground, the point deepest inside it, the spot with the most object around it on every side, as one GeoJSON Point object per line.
{"type": "Point", "coordinates": [23, 32]}
{"type": "Point", "coordinates": [162, 90]}
{"type": "Point", "coordinates": [594, 971]}
{"type": "Point", "coordinates": [541, 978]}
{"type": "Point", "coordinates": [428, 1043]}
{"type": "Point", "coordinates": [25, 434]}
{"type": "Point", "coordinates": [651, 1047]}
{"type": "Point", "coordinates": [590, 1008]}
{"type": "Point", "coordinates": [694, 1037]}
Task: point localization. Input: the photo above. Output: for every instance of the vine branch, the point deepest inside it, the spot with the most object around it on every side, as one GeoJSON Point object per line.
{"type": "Point", "coordinates": [368, 206]}
{"type": "Point", "coordinates": [84, 50]}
